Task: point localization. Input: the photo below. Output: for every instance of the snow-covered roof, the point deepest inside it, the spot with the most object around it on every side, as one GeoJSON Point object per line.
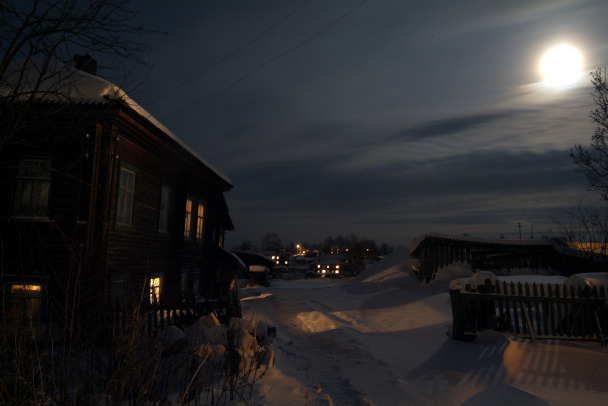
{"type": "Point", "coordinates": [414, 246]}
{"type": "Point", "coordinates": [77, 86]}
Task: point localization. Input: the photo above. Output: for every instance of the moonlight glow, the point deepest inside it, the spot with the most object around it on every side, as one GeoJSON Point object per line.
{"type": "Point", "coordinates": [561, 66]}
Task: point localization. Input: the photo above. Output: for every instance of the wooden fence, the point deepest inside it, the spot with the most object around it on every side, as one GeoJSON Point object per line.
{"type": "Point", "coordinates": [537, 311]}
{"type": "Point", "coordinates": [155, 317]}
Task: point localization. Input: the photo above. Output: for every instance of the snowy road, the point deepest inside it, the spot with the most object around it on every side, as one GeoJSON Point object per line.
{"type": "Point", "coordinates": [306, 334]}
{"type": "Point", "coordinates": [382, 340]}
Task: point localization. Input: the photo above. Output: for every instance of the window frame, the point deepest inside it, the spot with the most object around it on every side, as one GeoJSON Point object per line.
{"type": "Point", "coordinates": [21, 300]}
{"type": "Point", "coordinates": [164, 209]}
{"type": "Point", "coordinates": [188, 217]}
{"type": "Point", "coordinates": [119, 289]}
{"type": "Point", "coordinates": [200, 221]}
{"type": "Point", "coordinates": [156, 290]}
{"type": "Point", "coordinates": [119, 218]}
{"type": "Point", "coordinates": [23, 209]}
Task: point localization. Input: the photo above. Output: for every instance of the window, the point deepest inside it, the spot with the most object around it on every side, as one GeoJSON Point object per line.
{"type": "Point", "coordinates": [163, 213]}
{"type": "Point", "coordinates": [188, 219]}
{"type": "Point", "coordinates": [33, 186]}
{"type": "Point", "coordinates": [126, 196]}
{"type": "Point", "coordinates": [199, 222]}
{"type": "Point", "coordinates": [119, 290]}
{"type": "Point", "coordinates": [24, 303]}
{"type": "Point", "coordinates": [155, 289]}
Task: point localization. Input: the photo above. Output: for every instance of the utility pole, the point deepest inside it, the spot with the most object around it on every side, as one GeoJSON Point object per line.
{"type": "Point", "coordinates": [519, 226]}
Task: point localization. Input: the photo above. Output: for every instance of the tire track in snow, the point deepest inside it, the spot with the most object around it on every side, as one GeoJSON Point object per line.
{"type": "Point", "coordinates": [325, 382]}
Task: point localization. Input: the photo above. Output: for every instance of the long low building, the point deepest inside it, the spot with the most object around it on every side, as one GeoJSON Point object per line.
{"type": "Point", "coordinates": [436, 251]}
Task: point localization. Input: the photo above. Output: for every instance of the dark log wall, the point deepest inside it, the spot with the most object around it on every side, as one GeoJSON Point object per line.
{"type": "Point", "coordinates": [51, 248]}
{"type": "Point", "coordinates": [83, 231]}
{"type": "Point", "coordinates": [141, 251]}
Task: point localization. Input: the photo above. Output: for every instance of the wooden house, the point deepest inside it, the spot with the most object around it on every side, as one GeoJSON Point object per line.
{"type": "Point", "coordinates": [101, 204]}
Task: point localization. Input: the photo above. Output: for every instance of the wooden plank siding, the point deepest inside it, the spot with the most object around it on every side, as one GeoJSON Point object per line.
{"type": "Point", "coordinates": [82, 225]}
{"type": "Point", "coordinates": [143, 250]}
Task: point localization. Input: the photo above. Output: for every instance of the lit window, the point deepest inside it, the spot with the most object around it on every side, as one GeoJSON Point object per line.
{"type": "Point", "coordinates": [24, 304]}
{"type": "Point", "coordinates": [188, 219]}
{"type": "Point", "coordinates": [199, 221]}
{"type": "Point", "coordinates": [33, 186]}
{"type": "Point", "coordinates": [155, 284]}
{"type": "Point", "coordinates": [163, 213]}
{"type": "Point", "coordinates": [126, 197]}
{"type": "Point", "coordinates": [26, 290]}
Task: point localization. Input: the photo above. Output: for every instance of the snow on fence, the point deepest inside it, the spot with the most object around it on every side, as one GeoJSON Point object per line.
{"type": "Point", "coordinates": [156, 317]}
{"type": "Point", "coordinates": [535, 311]}
{"type": "Point", "coordinates": [159, 318]}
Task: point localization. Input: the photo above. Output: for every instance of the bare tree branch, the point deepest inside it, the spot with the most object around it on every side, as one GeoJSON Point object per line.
{"type": "Point", "coordinates": [593, 161]}
{"type": "Point", "coordinates": [39, 39]}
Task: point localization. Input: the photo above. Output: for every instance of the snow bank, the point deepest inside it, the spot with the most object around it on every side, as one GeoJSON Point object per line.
{"type": "Point", "coordinates": [380, 338]}
{"type": "Point", "coordinates": [393, 272]}
{"type": "Point", "coordinates": [592, 279]}
{"type": "Point", "coordinates": [597, 279]}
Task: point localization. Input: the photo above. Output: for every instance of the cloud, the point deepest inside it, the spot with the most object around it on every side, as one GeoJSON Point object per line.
{"type": "Point", "coordinates": [474, 188]}
{"type": "Point", "coordinates": [453, 125]}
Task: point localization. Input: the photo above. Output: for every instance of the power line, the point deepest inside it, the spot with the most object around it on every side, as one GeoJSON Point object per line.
{"type": "Point", "coordinates": [230, 55]}
{"type": "Point", "coordinates": [269, 61]}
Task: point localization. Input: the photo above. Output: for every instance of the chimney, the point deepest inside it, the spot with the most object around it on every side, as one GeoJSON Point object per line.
{"type": "Point", "coordinates": [86, 64]}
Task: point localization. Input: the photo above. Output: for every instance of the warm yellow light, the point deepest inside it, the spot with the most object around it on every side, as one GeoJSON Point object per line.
{"type": "Point", "coordinates": [26, 289]}
{"type": "Point", "coordinates": [155, 290]}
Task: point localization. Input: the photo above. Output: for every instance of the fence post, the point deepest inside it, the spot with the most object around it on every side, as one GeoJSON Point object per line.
{"type": "Point", "coordinates": [459, 317]}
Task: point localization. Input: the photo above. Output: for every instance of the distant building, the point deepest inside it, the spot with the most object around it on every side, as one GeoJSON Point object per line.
{"type": "Point", "coordinates": [331, 266]}
{"type": "Point", "coordinates": [436, 251]}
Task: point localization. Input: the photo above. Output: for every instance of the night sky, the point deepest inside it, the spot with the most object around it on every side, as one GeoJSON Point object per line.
{"type": "Point", "coordinates": [387, 119]}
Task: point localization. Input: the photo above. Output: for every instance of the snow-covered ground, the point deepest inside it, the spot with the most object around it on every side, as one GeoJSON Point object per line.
{"type": "Point", "coordinates": [380, 339]}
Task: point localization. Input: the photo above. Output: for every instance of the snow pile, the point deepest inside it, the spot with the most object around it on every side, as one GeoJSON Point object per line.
{"type": "Point", "coordinates": [245, 336]}
{"type": "Point", "coordinates": [380, 339]}
{"type": "Point", "coordinates": [597, 279]}
{"type": "Point", "coordinates": [395, 271]}
{"type": "Point", "coordinates": [213, 359]}
{"type": "Point", "coordinates": [583, 280]}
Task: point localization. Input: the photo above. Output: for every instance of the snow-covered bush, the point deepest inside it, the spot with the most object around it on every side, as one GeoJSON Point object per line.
{"type": "Point", "coordinates": [208, 363]}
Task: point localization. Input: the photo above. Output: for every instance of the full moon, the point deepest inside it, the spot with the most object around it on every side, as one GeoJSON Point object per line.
{"type": "Point", "coordinates": [561, 66]}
